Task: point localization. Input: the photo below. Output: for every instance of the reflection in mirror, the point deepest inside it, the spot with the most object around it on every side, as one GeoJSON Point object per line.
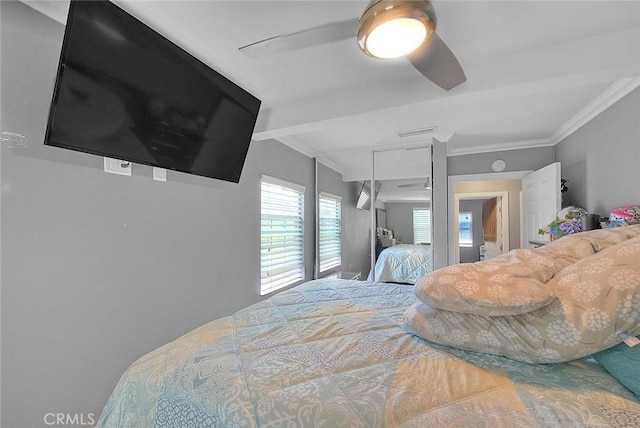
{"type": "Point", "coordinates": [342, 230]}
{"type": "Point", "coordinates": [401, 245]}
{"type": "Point", "coordinates": [381, 218]}
{"type": "Point", "coordinates": [363, 201]}
{"type": "Point", "coordinates": [472, 226]}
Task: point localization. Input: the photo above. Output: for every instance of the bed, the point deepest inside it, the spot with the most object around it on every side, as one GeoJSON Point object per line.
{"type": "Point", "coordinates": [335, 353]}
{"type": "Point", "coordinates": [403, 263]}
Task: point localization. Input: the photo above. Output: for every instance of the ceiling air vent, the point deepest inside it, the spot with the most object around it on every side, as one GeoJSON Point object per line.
{"type": "Point", "coordinates": [417, 132]}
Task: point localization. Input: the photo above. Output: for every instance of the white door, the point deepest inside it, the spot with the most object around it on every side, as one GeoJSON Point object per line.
{"type": "Point", "coordinates": [541, 200]}
{"type": "Point", "coordinates": [495, 248]}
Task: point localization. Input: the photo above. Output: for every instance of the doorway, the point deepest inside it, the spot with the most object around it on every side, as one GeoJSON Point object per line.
{"type": "Point", "coordinates": [543, 183]}
{"type": "Point", "coordinates": [482, 228]}
{"type": "Point", "coordinates": [485, 186]}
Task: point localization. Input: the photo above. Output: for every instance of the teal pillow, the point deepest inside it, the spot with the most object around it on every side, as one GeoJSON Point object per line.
{"type": "Point", "coordinates": [623, 363]}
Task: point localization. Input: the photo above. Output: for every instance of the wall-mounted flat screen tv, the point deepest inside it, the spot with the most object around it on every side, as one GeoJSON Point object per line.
{"type": "Point", "coordinates": [126, 92]}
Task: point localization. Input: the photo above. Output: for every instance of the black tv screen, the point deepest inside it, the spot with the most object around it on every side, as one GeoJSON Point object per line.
{"type": "Point", "coordinates": [126, 92]}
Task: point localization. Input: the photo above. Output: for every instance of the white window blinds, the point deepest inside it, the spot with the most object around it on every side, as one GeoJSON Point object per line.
{"type": "Point", "coordinates": [421, 226]}
{"type": "Point", "coordinates": [330, 219]}
{"type": "Point", "coordinates": [281, 234]}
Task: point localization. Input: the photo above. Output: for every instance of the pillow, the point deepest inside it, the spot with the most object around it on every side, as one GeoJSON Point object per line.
{"type": "Point", "coordinates": [574, 247]}
{"type": "Point", "coordinates": [597, 298]}
{"type": "Point", "coordinates": [516, 282]}
{"type": "Point", "coordinates": [625, 215]}
{"type": "Point", "coordinates": [623, 363]}
{"type": "Point", "coordinates": [509, 284]}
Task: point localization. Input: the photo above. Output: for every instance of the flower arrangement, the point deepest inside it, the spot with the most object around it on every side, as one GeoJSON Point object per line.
{"type": "Point", "coordinates": [562, 226]}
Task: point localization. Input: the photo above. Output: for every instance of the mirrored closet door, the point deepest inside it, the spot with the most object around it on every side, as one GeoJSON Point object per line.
{"type": "Point", "coordinates": [401, 232]}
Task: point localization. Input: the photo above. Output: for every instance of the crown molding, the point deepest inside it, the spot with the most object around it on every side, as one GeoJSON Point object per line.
{"type": "Point", "coordinates": [606, 99]}
{"type": "Point", "coordinates": [610, 96]}
{"type": "Point", "coordinates": [293, 144]}
{"type": "Point", "coordinates": [500, 147]}
{"type": "Point", "coordinates": [331, 165]}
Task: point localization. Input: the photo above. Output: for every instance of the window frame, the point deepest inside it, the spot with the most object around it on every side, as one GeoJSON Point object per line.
{"type": "Point", "coordinates": [461, 243]}
{"type": "Point", "coordinates": [330, 198]}
{"type": "Point", "coordinates": [292, 217]}
{"type": "Point", "coordinates": [417, 235]}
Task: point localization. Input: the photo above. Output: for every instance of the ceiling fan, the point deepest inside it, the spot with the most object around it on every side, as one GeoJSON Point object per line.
{"type": "Point", "coordinates": [421, 184]}
{"type": "Point", "coordinates": [386, 29]}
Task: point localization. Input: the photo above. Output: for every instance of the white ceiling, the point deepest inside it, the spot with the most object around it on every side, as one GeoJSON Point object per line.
{"type": "Point", "coordinates": [408, 190]}
{"type": "Point", "coordinates": [536, 71]}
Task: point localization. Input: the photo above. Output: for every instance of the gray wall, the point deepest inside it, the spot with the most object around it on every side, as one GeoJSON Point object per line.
{"type": "Point", "coordinates": [356, 224]}
{"type": "Point", "coordinates": [98, 269]}
{"type": "Point", "coordinates": [472, 254]}
{"type": "Point", "coordinates": [400, 219]}
{"type": "Point", "coordinates": [602, 159]}
{"type": "Point", "coordinates": [516, 160]}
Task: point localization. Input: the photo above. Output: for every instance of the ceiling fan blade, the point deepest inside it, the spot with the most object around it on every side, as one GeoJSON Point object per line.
{"type": "Point", "coordinates": [438, 64]}
{"type": "Point", "coordinates": [302, 39]}
{"type": "Point", "coordinates": [424, 185]}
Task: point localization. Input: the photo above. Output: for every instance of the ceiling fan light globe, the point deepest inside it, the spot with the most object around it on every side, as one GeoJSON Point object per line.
{"type": "Point", "coordinates": [395, 38]}
{"type": "Point", "coordinates": [391, 29]}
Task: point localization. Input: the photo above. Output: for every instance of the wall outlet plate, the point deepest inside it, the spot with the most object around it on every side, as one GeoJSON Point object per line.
{"type": "Point", "coordinates": [117, 166]}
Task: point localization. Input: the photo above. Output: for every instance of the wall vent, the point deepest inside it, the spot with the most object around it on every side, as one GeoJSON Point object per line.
{"type": "Point", "coordinates": [417, 132]}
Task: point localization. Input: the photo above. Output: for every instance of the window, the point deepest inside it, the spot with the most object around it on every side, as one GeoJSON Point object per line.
{"type": "Point", "coordinates": [363, 202]}
{"type": "Point", "coordinates": [465, 222]}
{"type": "Point", "coordinates": [330, 218]}
{"type": "Point", "coordinates": [421, 226]}
{"type": "Point", "coordinates": [281, 234]}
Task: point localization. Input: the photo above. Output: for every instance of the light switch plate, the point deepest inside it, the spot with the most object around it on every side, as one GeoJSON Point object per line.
{"type": "Point", "coordinates": [159, 174]}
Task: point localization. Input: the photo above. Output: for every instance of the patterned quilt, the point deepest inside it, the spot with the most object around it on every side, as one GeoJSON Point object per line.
{"type": "Point", "coordinates": [403, 263]}
{"type": "Point", "coordinates": [333, 353]}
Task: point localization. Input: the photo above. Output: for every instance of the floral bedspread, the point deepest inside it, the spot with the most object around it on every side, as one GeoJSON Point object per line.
{"type": "Point", "coordinates": [334, 353]}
